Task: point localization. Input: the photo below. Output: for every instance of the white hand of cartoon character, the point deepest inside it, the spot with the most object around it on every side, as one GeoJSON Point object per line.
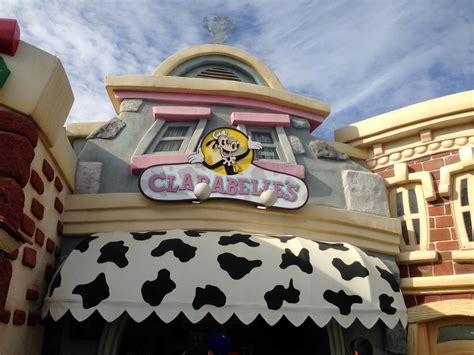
{"type": "Point", "coordinates": [197, 157]}
{"type": "Point", "coordinates": [254, 145]}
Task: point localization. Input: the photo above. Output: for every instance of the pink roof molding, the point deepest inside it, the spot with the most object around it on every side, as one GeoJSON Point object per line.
{"type": "Point", "coordinates": [139, 163]}
{"type": "Point", "coordinates": [286, 168]}
{"type": "Point", "coordinates": [181, 113]}
{"type": "Point", "coordinates": [202, 99]}
{"type": "Point", "coordinates": [260, 119]}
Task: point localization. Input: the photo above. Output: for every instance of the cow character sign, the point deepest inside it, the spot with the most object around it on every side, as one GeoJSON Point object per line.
{"type": "Point", "coordinates": [222, 168]}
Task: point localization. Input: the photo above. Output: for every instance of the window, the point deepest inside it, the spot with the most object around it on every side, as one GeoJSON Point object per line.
{"type": "Point", "coordinates": [463, 202]}
{"type": "Point", "coordinates": [407, 203]}
{"type": "Point", "coordinates": [270, 146]}
{"type": "Point", "coordinates": [173, 137]}
{"type": "Point", "coordinates": [167, 142]}
{"type": "Point", "coordinates": [452, 335]}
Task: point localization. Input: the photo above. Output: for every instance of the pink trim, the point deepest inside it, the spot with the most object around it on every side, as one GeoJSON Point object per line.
{"type": "Point", "coordinates": [260, 119]}
{"type": "Point", "coordinates": [201, 99]}
{"type": "Point", "coordinates": [181, 113]}
{"type": "Point", "coordinates": [291, 169]}
{"type": "Point", "coordinates": [141, 162]}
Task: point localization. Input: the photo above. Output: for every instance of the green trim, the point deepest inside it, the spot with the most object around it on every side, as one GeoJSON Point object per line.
{"type": "Point", "coordinates": [4, 72]}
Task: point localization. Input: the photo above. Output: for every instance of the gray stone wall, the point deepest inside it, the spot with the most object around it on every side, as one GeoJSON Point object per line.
{"type": "Point", "coordinates": [328, 173]}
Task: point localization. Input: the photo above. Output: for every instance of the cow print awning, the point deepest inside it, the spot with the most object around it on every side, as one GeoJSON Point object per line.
{"type": "Point", "coordinates": [224, 273]}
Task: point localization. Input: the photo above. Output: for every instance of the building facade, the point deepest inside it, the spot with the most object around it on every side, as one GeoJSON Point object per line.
{"type": "Point", "coordinates": [207, 206]}
{"type": "Point", "coordinates": [425, 154]}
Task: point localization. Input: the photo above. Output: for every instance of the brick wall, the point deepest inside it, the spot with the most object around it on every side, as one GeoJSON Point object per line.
{"type": "Point", "coordinates": [442, 235]}
{"type": "Point", "coordinates": [27, 271]}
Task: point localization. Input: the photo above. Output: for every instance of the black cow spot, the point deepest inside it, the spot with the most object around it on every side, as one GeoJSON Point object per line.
{"type": "Point", "coordinates": [348, 272]}
{"type": "Point", "coordinates": [341, 300]}
{"type": "Point", "coordinates": [387, 276]}
{"type": "Point", "coordinates": [279, 293]}
{"type": "Point", "coordinates": [55, 283]}
{"type": "Point", "coordinates": [238, 238]}
{"type": "Point", "coordinates": [302, 260]}
{"type": "Point", "coordinates": [193, 233]}
{"type": "Point", "coordinates": [237, 267]}
{"type": "Point", "coordinates": [386, 304]}
{"type": "Point", "coordinates": [211, 295]}
{"type": "Point", "coordinates": [184, 252]}
{"type": "Point", "coordinates": [338, 246]}
{"type": "Point", "coordinates": [146, 235]}
{"type": "Point", "coordinates": [84, 244]}
{"type": "Point", "coordinates": [284, 239]}
{"type": "Point", "coordinates": [154, 291]}
{"type": "Point", "coordinates": [94, 292]}
{"type": "Point", "coordinates": [114, 252]}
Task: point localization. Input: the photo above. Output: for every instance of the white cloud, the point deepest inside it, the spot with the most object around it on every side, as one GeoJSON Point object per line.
{"type": "Point", "coordinates": [364, 57]}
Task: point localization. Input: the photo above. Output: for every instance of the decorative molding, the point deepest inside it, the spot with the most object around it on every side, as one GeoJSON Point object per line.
{"type": "Point", "coordinates": [78, 130]}
{"type": "Point", "coordinates": [463, 256]}
{"type": "Point", "coordinates": [190, 91]}
{"type": "Point", "coordinates": [441, 309]}
{"type": "Point", "coordinates": [417, 342]}
{"type": "Point", "coordinates": [181, 113]}
{"type": "Point", "coordinates": [426, 136]}
{"type": "Point", "coordinates": [286, 146]}
{"type": "Point", "coordinates": [287, 168]}
{"type": "Point", "coordinates": [172, 62]}
{"type": "Point", "coordinates": [418, 150]}
{"type": "Point", "coordinates": [357, 153]}
{"type": "Point", "coordinates": [416, 257]}
{"type": "Point", "coordinates": [437, 284]}
{"type": "Point", "coordinates": [378, 149]}
{"type": "Point", "coordinates": [466, 154]}
{"type": "Point", "coordinates": [410, 120]}
{"type": "Point", "coordinates": [260, 119]}
{"type": "Point", "coordinates": [403, 177]}
{"type": "Point", "coordinates": [139, 163]}
{"type": "Point", "coordinates": [132, 212]}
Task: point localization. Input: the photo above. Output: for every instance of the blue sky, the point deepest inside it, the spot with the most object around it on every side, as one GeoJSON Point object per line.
{"type": "Point", "coordinates": [362, 57]}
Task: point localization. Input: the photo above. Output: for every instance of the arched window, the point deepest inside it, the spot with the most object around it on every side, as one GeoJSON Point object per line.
{"type": "Point", "coordinates": [463, 206]}
{"type": "Point", "coordinates": [408, 204]}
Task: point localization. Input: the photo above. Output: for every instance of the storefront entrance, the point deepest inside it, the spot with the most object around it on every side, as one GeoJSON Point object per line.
{"type": "Point", "coordinates": [152, 336]}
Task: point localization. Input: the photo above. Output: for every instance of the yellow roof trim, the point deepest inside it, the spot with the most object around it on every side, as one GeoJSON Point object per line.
{"type": "Point", "coordinates": [421, 112]}
{"type": "Point", "coordinates": [167, 66]}
{"type": "Point", "coordinates": [212, 87]}
{"type": "Point", "coordinates": [79, 130]}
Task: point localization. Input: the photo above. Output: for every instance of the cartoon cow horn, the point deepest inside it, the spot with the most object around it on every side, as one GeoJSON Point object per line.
{"type": "Point", "coordinates": [217, 134]}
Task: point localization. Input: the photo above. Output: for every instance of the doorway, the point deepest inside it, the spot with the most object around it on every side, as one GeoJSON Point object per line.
{"type": "Point", "coordinates": [154, 337]}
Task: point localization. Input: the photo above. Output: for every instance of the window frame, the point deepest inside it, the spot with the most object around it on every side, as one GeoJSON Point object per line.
{"type": "Point", "coordinates": [157, 130]}
{"type": "Point", "coordinates": [459, 210]}
{"type": "Point", "coordinates": [160, 137]}
{"type": "Point", "coordinates": [281, 142]}
{"type": "Point", "coordinates": [447, 346]}
{"type": "Point", "coordinates": [408, 216]}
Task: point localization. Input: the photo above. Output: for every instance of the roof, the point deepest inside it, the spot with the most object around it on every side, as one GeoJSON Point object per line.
{"type": "Point", "coordinates": [402, 122]}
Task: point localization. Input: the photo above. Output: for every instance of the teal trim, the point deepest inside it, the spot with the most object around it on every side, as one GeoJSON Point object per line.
{"type": "Point", "coordinates": [4, 72]}
{"type": "Point", "coordinates": [194, 66]}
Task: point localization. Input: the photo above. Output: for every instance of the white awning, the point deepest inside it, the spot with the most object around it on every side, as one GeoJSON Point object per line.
{"type": "Point", "coordinates": [224, 273]}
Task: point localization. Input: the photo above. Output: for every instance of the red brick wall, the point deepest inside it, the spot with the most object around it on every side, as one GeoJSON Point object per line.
{"type": "Point", "coordinates": [442, 235]}
{"type": "Point", "coordinates": [32, 200]}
